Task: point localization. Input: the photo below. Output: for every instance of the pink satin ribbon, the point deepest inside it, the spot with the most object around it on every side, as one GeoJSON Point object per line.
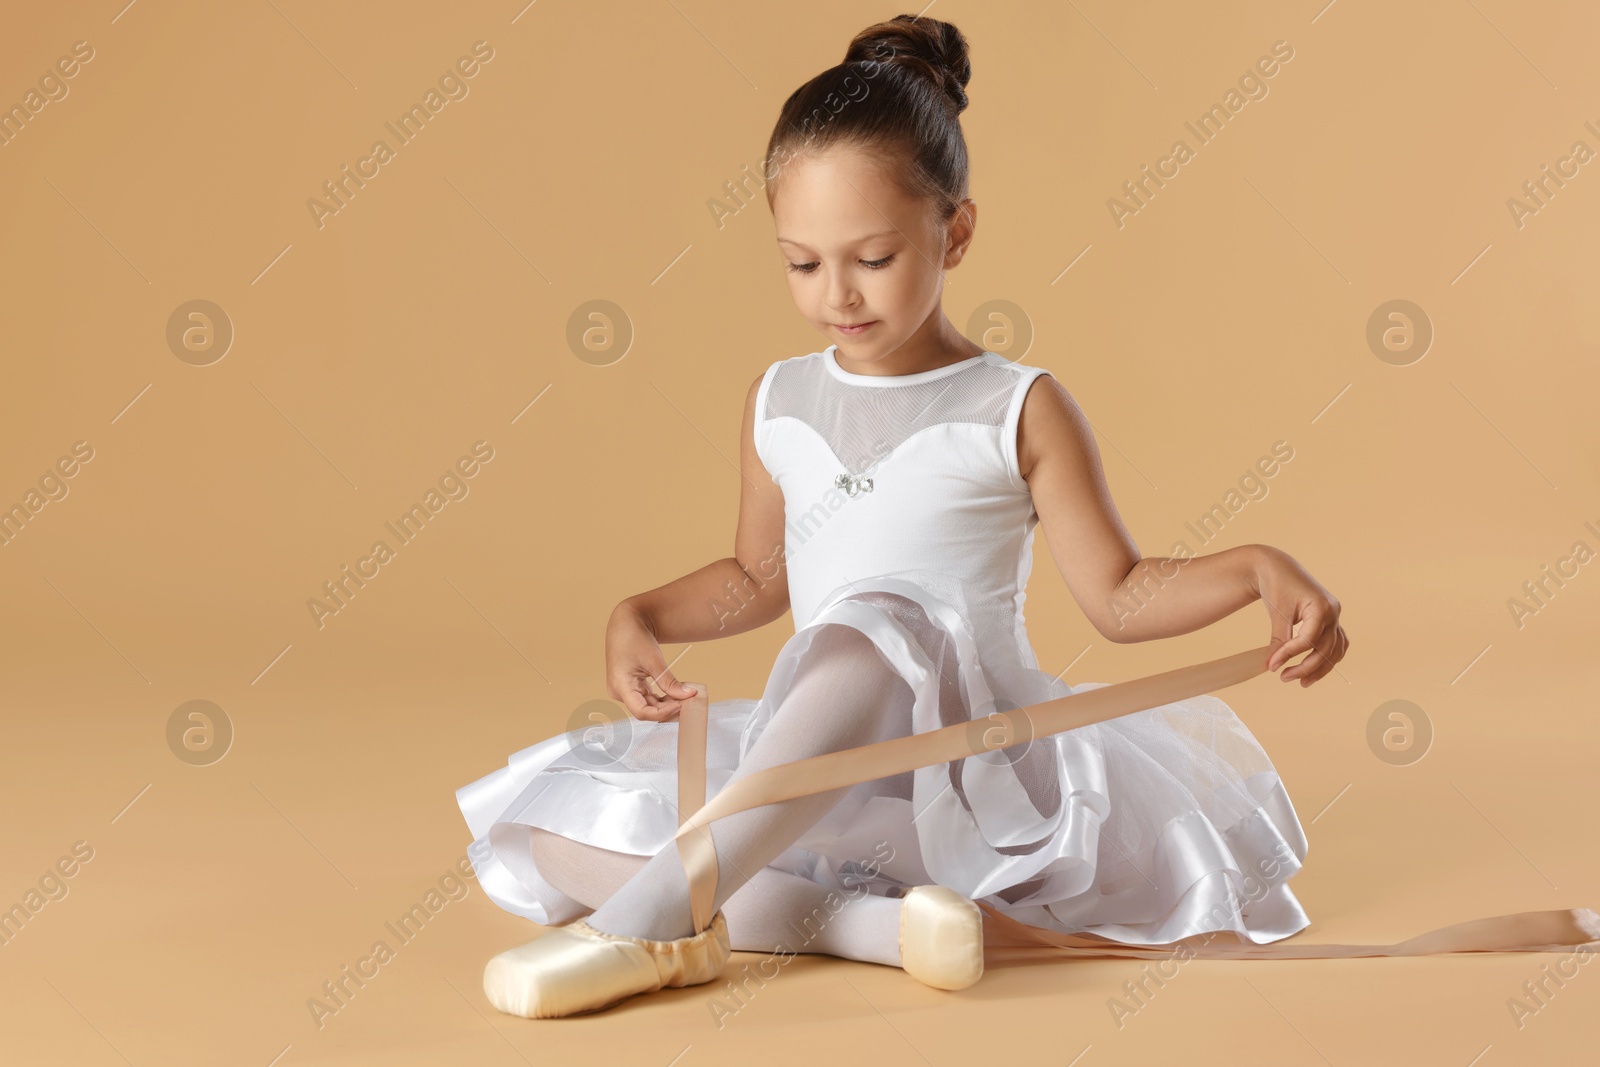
{"type": "Point", "coordinates": [1529, 931]}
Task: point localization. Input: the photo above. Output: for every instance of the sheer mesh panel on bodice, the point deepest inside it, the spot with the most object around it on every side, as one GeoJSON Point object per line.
{"type": "Point", "coordinates": [861, 425]}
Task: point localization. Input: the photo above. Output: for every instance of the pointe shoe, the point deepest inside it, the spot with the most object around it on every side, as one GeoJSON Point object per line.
{"type": "Point", "coordinates": [576, 968]}
{"type": "Point", "coordinates": [941, 937]}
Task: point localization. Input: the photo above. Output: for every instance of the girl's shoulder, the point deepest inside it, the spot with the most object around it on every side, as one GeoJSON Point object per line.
{"type": "Point", "coordinates": [798, 372]}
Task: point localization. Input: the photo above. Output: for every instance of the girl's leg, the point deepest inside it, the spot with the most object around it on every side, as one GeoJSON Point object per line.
{"type": "Point", "coordinates": [781, 912]}
{"type": "Point", "coordinates": [775, 911]}
{"type": "Point", "coordinates": [843, 694]}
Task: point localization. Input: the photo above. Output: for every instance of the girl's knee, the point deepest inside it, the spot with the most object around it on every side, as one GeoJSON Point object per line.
{"type": "Point", "coordinates": [840, 654]}
{"type": "Point", "coordinates": [843, 643]}
{"type": "Point", "coordinates": [586, 873]}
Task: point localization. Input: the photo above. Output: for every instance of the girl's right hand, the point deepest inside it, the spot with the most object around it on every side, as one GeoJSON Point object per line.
{"type": "Point", "coordinates": [633, 661]}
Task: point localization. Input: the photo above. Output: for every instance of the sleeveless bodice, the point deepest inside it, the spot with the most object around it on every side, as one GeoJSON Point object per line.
{"type": "Point", "coordinates": [912, 472]}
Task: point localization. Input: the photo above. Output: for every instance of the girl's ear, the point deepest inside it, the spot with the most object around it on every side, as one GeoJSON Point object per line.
{"type": "Point", "coordinates": [962, 225]}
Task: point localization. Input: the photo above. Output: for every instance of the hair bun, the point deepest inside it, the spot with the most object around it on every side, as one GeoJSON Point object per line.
{"type": "Point", "coordinates": [934, 49]}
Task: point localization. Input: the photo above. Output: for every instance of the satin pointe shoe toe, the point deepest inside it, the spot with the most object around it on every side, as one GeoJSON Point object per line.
{"type": "Point", "coordinates": [576, 968]}
{"type": "Point", "coordinates": [941, 937]}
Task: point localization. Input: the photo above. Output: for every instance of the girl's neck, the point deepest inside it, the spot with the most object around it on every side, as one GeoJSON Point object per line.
{"type": "Point", "coordinates": [942, 346]}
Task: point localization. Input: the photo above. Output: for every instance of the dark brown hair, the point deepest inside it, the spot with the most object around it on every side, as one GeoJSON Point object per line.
{"type": "Point", "coordinates": [899, 92]}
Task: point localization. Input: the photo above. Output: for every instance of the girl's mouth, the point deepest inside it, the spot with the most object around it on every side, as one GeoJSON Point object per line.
{"type": "Point", "coordinates": [857, 328]}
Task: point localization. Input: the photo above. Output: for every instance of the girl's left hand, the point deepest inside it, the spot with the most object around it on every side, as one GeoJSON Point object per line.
{"type": "Point", "coordinates": [1305, 616]}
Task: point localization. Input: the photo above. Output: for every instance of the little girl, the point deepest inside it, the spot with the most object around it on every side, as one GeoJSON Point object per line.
{"type": "Point", "coordinates": [891, 484]}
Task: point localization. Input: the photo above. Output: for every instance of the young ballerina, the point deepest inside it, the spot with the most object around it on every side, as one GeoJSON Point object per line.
{"type": "Point", "coordinates": [891, 485]}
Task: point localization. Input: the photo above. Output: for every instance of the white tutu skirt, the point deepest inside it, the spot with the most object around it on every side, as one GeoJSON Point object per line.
{"type": "Point", "coordinates": [1145, 829]}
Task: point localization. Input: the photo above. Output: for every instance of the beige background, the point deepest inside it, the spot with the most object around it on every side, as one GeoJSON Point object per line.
{"type": "Point", "coordinates": [433, 309]}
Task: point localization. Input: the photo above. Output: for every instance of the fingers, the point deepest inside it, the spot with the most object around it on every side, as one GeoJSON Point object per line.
{"type": "Point", "coordinates": [1296, 633]}
{"type": "Point", "coordinates": [1282, 634]}
{"type": "Point", "coordinates": [634, 703]}
{"type": "Point", "coordinates": [1340, 648]}
{"type": "Point", "coordinates": [673, 693]}
{"type": "Point", "coordinates": [644, 704]}
{"type": "Point", "coordinates": [672, 687]}
{"type": "Point", "coordinates": [1313, 637]}
{"type": "Point", "coordinates": [661, 713]}
{"type": "Point", "coordinates": [1329, 650]}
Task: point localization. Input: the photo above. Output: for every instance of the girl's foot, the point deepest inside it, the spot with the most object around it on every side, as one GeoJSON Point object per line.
{"type": "Point", "coordinates": [941, 937]}
{"type": "Point", "coordinates": [576, 968]}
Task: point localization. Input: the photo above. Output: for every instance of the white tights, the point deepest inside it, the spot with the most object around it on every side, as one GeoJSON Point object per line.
{"type": "Point", "coordinates": [843, 694]}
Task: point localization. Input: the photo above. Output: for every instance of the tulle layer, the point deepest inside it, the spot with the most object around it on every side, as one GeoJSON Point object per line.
{"type": "Point", "coordinates": [1146, 828]}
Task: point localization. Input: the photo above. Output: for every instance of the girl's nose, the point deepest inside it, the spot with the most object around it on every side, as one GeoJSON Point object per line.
{"type": "Point", "coordinates": [841, 292]}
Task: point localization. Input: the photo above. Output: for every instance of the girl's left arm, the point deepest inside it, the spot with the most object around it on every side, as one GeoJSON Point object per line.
{"type": "Point", "coordinates": [1129, 597]}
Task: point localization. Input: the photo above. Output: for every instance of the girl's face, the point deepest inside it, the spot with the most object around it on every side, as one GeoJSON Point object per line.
{"type": "Point", "coordinates": [858, 251]}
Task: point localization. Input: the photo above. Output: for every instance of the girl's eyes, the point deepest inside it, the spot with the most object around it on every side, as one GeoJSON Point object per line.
{"type": "Point", "coordinates": [870, 264]}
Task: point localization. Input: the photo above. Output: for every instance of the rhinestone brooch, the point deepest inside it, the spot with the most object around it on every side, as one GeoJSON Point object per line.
{"type": "Point", "coordinates": [852, 486]}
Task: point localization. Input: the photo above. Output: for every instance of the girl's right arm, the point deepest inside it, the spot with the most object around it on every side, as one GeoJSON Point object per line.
{"type": "Point", "coordinates": [729, 596]}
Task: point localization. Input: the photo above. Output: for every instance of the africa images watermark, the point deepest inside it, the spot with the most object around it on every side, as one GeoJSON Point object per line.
{"type": "Point", "coordinates": [53, 89]}
{"type": "Point", "coordinates": [740, 596]}
{"type": "Point", "coordinates": [1539, 994]}
{"type": "Point", "coordinates": [52, 487]}
{"type": "Point", "coordinates": [52, 886]}
{"type": "Point", "coordinates": [1139, 994]}
{"type": "Point", "coordinates": [452, 886]}
{"type": "Point", "coordinates": [1540, 191]}
{"type": "Point", "coordinates": [452, 485]}
{"type": "Point", "coordinates": [1252, 86]}
{"type": "Point", "coordinates": [851, 90]}
{"type": "Point", "coordinates": [452, 86]}
{"type": "Point", "coordinates": [1207, 527]}
{"type": "Point", "coordinates": [1538, 592]}
{"type": "Point", "coordinates": [740, 990]}
{"type": "Point", "coordinates": [801, 524]}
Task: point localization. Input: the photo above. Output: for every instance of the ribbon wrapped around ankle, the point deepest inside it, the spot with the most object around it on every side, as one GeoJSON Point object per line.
{"type": "Point", "coordinates": [1563, 929]}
